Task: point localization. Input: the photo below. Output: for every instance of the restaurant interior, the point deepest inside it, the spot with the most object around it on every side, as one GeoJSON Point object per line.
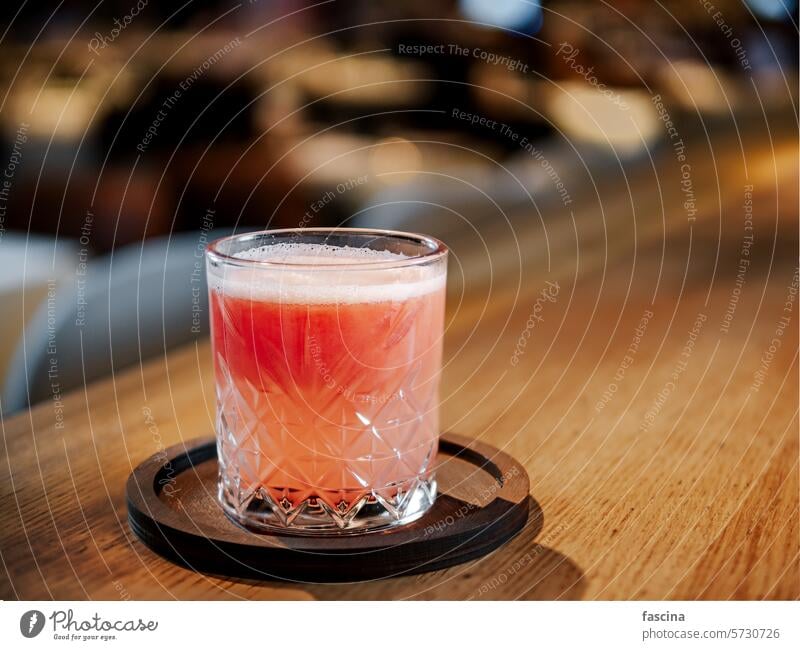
{"type": "Point", "coordinates": [134, 133]}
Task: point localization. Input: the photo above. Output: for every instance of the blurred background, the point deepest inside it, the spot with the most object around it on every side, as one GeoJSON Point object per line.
{"type": "Point", "coordinates": [133, 132]}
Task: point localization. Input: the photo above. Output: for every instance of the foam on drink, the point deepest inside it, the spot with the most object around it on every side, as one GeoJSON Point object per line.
{"type": "Point", "coordinates": [326, 275]}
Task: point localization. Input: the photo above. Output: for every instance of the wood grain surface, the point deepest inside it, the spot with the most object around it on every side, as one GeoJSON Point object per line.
{"type": "Point", "coordinates": [680, 483]}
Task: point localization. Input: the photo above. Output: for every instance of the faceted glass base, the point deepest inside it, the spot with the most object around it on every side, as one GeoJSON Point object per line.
{"type": "Point", "coordinates": [373, 512]}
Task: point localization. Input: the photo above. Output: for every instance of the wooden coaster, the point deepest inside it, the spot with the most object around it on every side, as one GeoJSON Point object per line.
{"type": "Point", "coordinates": [482, 504]}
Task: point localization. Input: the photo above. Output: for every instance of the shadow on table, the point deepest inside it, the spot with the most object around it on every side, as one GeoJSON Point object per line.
{"type": "Point", "coordinates": [522, 569]}
{"type": "Point", "coordinates": [546, 574]}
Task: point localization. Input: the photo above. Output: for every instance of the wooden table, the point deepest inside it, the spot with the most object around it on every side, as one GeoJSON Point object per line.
{"type": "Point", "coordinates": [682, 482]}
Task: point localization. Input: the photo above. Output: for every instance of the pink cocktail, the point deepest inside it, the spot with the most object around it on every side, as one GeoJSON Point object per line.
{"type": "Point", "coordinates": [327, 351]}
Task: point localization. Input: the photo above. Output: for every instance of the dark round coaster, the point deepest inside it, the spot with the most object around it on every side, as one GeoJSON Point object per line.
{"type": "Point", "coordinates": [482, 503]}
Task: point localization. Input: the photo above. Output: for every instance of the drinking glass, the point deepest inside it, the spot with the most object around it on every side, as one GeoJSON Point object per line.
{"type": "Point", "coordinates": [327, 347]}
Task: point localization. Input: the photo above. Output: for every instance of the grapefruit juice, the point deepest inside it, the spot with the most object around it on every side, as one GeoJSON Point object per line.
{"type": "Point", "coordinates": [327, 363]}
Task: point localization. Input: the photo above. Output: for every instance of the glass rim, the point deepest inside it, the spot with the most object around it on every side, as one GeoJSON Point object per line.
{"type": "Point", "coordinates": [436, 249]}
